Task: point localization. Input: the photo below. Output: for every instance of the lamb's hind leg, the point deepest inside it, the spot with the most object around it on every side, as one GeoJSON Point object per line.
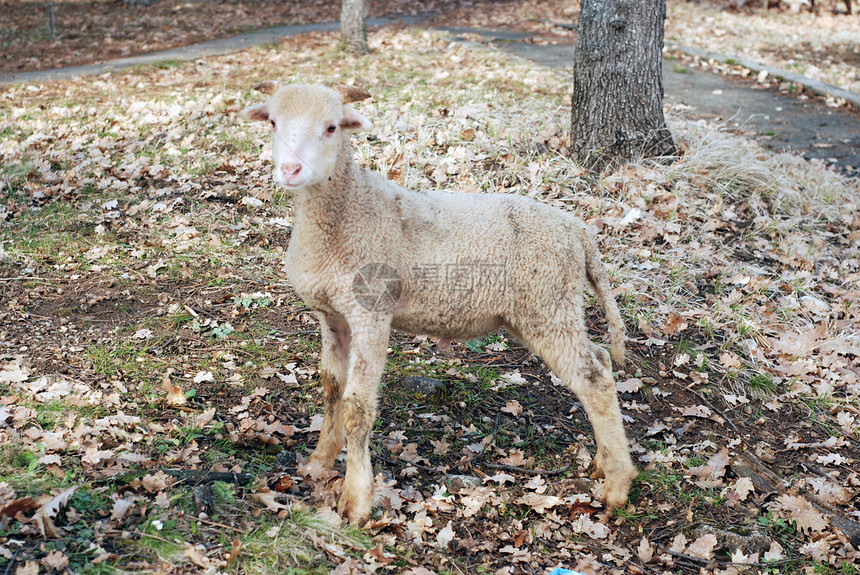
{"type": "Point", "coordinates": [584, 368]}
{"type": "Point", "coordinates": [335, 350]}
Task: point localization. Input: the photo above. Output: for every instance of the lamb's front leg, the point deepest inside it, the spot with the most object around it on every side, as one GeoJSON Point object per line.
{"type": "Point", "coordinates": [335, 350]}
{"type": "Point", "coordinates": [367, 355]}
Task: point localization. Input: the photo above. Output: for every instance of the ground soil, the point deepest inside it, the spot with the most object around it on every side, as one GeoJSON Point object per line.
{"type": "Point", "coordinates": [88, 32]}
{"type": "Point", "coordinates": [71, 316]}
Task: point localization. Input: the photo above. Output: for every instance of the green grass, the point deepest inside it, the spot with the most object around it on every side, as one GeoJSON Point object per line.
{"type": "Point", "coordinates": [168, 63]}
{"type": "Point", "coordinates": [13, 179]}
{"type": "Point", "coordinates": [285, 546]}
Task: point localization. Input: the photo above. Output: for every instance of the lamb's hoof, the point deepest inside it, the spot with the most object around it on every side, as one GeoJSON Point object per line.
{"type": "Point", "coordinates": [616, 488]}
{"type": "Point", "coordinates": [322, 460]}
{"type": "Point", "coordinates": [356, 512]}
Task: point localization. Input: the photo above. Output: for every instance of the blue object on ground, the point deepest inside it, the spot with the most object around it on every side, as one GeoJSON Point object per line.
{"type": "Point", "coordinates": [561, 571]}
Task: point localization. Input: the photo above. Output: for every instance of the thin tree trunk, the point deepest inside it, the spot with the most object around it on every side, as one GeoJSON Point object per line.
{"type": "Point", "coordinates": [617, 107]}
{"type": "Point", "coordinates": [353, 30]}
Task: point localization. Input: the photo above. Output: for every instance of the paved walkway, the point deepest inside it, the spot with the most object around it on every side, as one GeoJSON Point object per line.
{"type": "Point", "coordinates": [777, 121]}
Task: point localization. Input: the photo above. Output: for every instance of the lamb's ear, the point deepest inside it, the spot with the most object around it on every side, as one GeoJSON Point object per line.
{"type": "Point", "coordinates": [352, 93]}
{"type": "Point", "coordinates": [268, 87]}
{"type": "Point", "coordinates": [354, 121]}
{"type": "Point", "coordinates": [256, 113]}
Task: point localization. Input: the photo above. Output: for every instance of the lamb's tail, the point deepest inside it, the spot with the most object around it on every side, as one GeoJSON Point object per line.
{"type": "Point", "coordinates": [599, 281]}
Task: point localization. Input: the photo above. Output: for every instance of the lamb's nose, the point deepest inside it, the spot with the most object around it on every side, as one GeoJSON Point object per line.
{"type": "Point", "coordinates": [291, 170]}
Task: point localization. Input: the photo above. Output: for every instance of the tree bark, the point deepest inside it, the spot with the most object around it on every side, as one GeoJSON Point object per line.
{"type": "Point", "coordinates": [353, 30]}
{"type": "Point", "coordinates": [617, 106]}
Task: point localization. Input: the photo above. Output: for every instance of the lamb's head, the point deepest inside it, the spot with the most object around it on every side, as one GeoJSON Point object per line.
{"type": "Point", "coordinates": [309, 124]}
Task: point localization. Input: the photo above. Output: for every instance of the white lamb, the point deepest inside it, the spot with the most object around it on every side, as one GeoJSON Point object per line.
{"type": "Point", "coordinates": [370, 256]}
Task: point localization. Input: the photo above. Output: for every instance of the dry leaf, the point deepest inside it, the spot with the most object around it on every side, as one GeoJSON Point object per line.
{"type": "Point", "coordinates": [802, 513]}
{"type": "Point", "coordinates": [175, 396]}
{"type": "Point", "coordinates": [645, 551]}
{"type": "Point", "coordinates": [28, 568]}
{"type": "Point", "coordinates": [710, 474]}
{"type": "Point", "coordinates": [631, 385]}
{"type": "Point", "coordinates": [500, 478]}
{"type": "Point", "coordinates": [56, 560]}
{"type": "Point", "coordinates": [201, 420]}
{"type": "Point", "coordinates": [268, 499]}
{"type": "Point", "coordinates": [120, 508]}
{"type": "Point", "coordinates": [539, 503]}
{"type": "Point", "coordinates": [703, 547]}
{"type": "Point", "coordinates": [44, 515]}
{"type": "Point", "coordinates": [513, 407]}
{"type": "Point", "coordinates": [445, 536]}
{"type": "Point", "coordinates": [197, 558]}
{"type": "Point", "coordinates": [156, 482]}
{"type": "Point", "coordinates": [410, 453]}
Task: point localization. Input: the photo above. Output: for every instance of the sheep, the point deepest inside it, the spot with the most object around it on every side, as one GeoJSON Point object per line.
{"type": "Point", "coordinates": [370, 256]}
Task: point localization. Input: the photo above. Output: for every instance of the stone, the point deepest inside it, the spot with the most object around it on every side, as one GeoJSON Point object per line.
{"type": "Point", "coordinates": [425, 385]}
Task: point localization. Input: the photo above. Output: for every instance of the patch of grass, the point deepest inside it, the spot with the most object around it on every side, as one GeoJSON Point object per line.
{"type": "Point", "coordinates": [13, 178]}
{"type": "Point", "coordinates": [285, 547]}
{"type": "Point", "coordinates": [125, 360]}
{"type": "Point", "coordinates": [168, 63]}
{"type": "Point", "coordinates": [160, 539]}
{"type": "Point", "coordinates": [679, 69]}
{"type": "Point", "coordinates": [761, 385]}
{"type": "Point", "coordinates": [662, 480]}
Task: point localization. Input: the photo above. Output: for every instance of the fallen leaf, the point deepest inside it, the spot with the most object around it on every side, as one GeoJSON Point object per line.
{"type": "Point", "coordinates": [801, 513]}
{"type": "Point", "coordinates": [445, 536]}
{"type": "Point", "coordinates": [268, 499]}
{"type": "Point", "coordinates": [44, 515]}
{"type": "Point", "coordinates": [645, 551]}
{"type": "Point", "coordinates": [28, 568]}
{"type": "Point", "coordinates": [500, 478]}
{"type": "Point", "coordinates": [175, 396]}
{"type": "Point", "coordinates": [56, 560]}
{"type": "Point", "coordinates": [197, 558]}
{"type": "Point", "coordinates": [539, 503]}
{"type": "Point", "coordinates": [703, 547]}
{"type": "Point", "coordinates": [631, 385]}
{"type": "Point", "coordinates": [513, 407]}
{"type": "Point", "coordinates": [120, 508]}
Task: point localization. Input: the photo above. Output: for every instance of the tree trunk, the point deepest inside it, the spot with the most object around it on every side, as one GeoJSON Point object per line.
{"type": "Point", "coordinates": [353, 31]}
{"type": "Point", "coordinates": [617, 107]}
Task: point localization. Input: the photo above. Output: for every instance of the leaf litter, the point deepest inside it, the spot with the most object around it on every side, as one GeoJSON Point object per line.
{"type": "Point", "coordinates": [735, 269]}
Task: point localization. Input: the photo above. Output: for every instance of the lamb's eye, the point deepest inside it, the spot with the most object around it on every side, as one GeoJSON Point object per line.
{"type": "Point", "coordinates": [331, 129]}
{"type": "Point", "coordinates": [274, 126]}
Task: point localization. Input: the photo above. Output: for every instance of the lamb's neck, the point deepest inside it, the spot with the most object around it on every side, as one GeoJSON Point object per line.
{"type": "Point", "coordinates": [320, 208]}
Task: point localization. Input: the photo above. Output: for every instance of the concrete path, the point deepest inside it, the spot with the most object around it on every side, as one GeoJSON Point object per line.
{"type": "Point", "coordinates": [777, 121]}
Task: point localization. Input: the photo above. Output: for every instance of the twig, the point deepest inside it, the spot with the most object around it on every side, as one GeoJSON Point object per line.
{"type": "Point", "coordinates": [299, 332]}
{"type": "Point", "coordinates": [700, 561]}
{"type": "Point", "coordinates": [525, 471]}
{"type": "Point", "coordinates": [214, 524]}
{"type": "Point", "coordinates": [23, 278]}
{"type": "Point", "coordinates": [156, 537]}
{"type": "Point", "coordinates": [404, 462]}
{"type": "Point", "coordinates": [12, 562]}
{"type": "Point", "coordinates": [188, 476]}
